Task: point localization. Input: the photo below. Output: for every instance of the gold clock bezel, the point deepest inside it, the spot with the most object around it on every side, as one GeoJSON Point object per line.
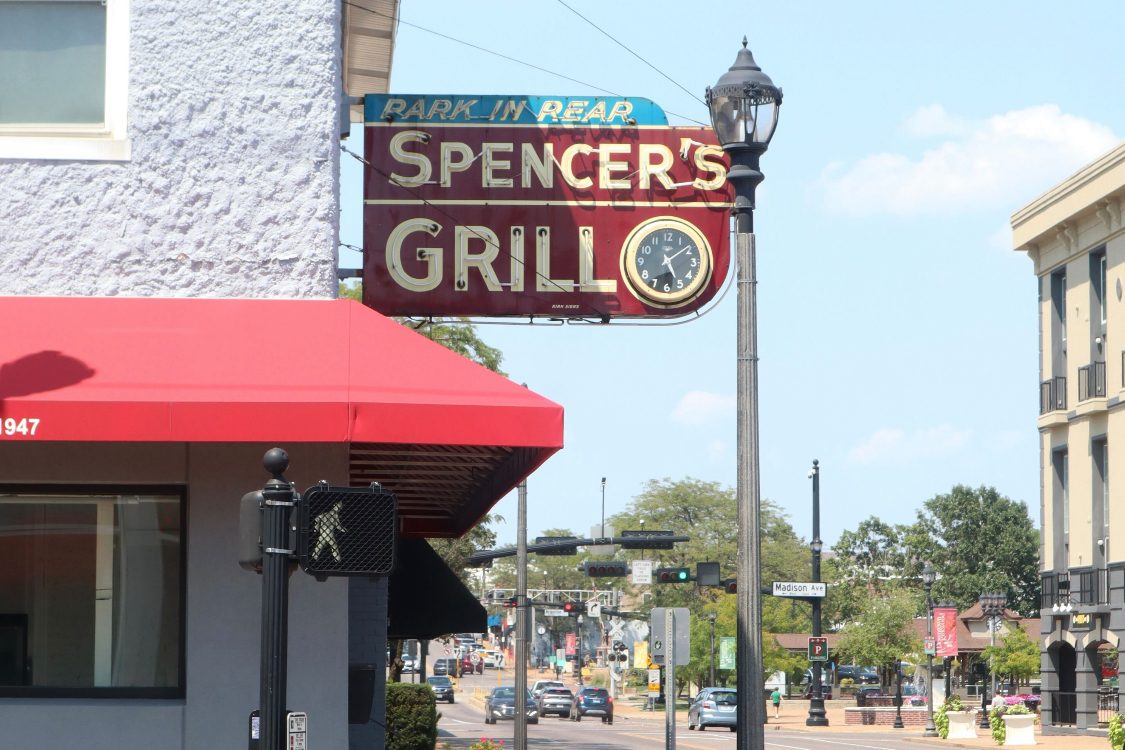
{"type": "Point", "coordinates": [637, 285]}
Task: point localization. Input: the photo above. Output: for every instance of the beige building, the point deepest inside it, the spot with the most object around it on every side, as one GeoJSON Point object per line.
{"type": "Point", "coordinates": [1074, 236]}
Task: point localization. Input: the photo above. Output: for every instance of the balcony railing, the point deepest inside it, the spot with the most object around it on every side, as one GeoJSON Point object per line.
{"type": "Point", "coordinates": [1088, 587]}
{"type": "Point", "coordinates": [1091, 381]}
{"type": "Point", "coordinates": [1052, 394]}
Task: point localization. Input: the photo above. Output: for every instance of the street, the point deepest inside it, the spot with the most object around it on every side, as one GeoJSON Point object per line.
{"type": "Point", "coordinates": [462, 723]}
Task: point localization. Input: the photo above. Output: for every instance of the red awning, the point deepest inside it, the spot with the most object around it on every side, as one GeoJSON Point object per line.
{"type": "Point", "coordinates": [435, 428]}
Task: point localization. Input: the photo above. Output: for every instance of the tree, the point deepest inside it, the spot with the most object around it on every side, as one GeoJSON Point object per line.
{"type": "Point", "coordinates": [1017, 657]}
{"type": "Point", "coordinates": [884, 632]}
{"type": "Point", "coordinates": [978, 540]}
{"type": "Point", "coordinates": [873, 555]}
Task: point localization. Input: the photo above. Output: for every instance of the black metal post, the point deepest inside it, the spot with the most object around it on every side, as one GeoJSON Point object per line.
{"type": "Point", "coordinates": [578, 647]}
{"type": "Point", "coordinates": [279, 502]}
{"type": "Point", "coordinates": [898, 696]}
{"type": "Point", "coordinates": [712, 619]}
{"type": "Point", "coordinates": [947, 664]}
{"type": "Point", "coordinates": [817, 717]}
{"type": "Point", "coordinates": [928, 577]}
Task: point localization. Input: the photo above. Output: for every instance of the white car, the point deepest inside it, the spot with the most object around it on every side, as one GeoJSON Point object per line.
{"type": "Point", "coordinates": [492, 659]}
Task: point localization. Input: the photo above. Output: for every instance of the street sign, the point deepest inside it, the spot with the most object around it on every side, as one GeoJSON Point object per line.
{"type": "Point", "coordinates": [678, 642]}
{"type": "Point", "coordinates": [347, 531]}
{"type": "Point", "coordinates": [560, 656]}
{"type": "Point", "coordinates": [616, 628]}
{"type": "Point", "coordinates": [642, 572]}
{"type": "Point", "coordinates": [798, 590]}
{"type": "Point", "coordinates": [818, 648]}
{"type": "Point", "coordinates": [594, 608]}
{"type": "Point", "coordinates": [555, 613]}
{"type": "Point", "coordinates": [654, 682]}
{"type": "Point", "coordinates": [929, 646]}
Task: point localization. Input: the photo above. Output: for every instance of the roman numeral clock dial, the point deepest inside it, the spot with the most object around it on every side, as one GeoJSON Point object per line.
{"type": "Point", "coordinates": [666, 262]}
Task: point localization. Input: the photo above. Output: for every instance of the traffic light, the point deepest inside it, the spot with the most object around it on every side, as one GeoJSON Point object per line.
{"type": "Point", "coordinates": [510, 603]}
{"type": "Point", "coordinates": [620, 652]}
{"type": "Point", "coordinates": [606, 569]}
{"type": "Point", "coordinates": [571, 608]}
{"type": "Point", "coordinates": [673, 575]}
{"type": "Point", "coordinates": [730, 586]}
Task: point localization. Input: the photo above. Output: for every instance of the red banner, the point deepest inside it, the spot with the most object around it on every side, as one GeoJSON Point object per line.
{"type": "Point", "coordinates": [563, 222]}
{"type": "Point", "coordinates": [945, 631]}
{"type": "Point", "coordinates": [571, 644]}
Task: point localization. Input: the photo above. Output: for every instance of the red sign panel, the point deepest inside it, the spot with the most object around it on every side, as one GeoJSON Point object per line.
{"type": "Point", "coordinates": [571, 644]}
{"type": "Point", "coordinates": [563, 222]}
{"type": "Point", "coordinates": [945, 631]}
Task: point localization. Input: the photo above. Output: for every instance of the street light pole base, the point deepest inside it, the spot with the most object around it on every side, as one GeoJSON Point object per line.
{"type": "Point", "coordinates": [817, 716]}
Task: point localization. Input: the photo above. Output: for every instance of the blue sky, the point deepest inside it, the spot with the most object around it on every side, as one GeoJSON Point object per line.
{"type": "Point", "coordinates": [897, 329]}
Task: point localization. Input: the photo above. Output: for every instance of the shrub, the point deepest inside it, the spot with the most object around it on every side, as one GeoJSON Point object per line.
{"type": "Point", "coordinates": [1116, 733]}
{"type": "Point", "coordinates": [411, 717]}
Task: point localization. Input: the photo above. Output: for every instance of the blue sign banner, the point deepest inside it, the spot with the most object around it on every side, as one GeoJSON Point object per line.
{"type": "Point", "coordinates": [493, 620]}
{"type": "Point", "coordinates": [572, 111]}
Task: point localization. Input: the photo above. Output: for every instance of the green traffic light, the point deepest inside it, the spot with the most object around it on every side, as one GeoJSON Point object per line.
{"type": "Point", "coordinates": [682, 574]}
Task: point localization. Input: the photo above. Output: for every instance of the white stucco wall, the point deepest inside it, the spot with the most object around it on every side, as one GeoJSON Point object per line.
{"type": "Point", "coordinates": [231, 190]}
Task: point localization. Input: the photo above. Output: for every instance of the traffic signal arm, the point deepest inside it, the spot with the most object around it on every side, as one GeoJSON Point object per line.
{"type": "Point", "coordinates": [484, 555]}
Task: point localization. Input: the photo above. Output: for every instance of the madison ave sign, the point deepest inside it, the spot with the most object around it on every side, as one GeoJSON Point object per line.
{"type": "Point", "coordinates": [540, 206]}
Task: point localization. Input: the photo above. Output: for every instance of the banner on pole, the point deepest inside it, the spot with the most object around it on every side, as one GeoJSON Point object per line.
{"type": "Point", "coordinates": [571, 644]}
{"type": "Point", "coordinates": [640, 655]}
{"type": "Point", "coordinates": [726, 652]}
{"type": "Point", "coordinates": [945, 631]}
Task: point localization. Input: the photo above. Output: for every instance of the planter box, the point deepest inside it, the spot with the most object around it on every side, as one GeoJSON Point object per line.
{"type": "Point", "coordinates": [1019, 729]}
{"type": "Point", "coordinates": [962, 724]}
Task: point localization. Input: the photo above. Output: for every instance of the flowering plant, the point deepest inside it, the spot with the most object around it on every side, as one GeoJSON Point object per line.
{"type": "Point", "coordinates": [487, 743]}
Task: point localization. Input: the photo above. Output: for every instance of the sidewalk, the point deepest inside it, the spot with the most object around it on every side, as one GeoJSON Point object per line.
{"type": "Point", "coordinates": [794, 713]}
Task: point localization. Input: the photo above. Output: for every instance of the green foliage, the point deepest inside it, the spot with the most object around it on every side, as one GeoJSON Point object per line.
{"type": "Point", "coordinates": [455, 552]}
{"type": "Point", "coordinates": [871, 555]}
{"type": "Point", "coordinates": [978, 540]}
{"type": "Point", "coordinates": [941, 720]}
{"type": "Point", "coordinates": [1116, 732]}
{"type": "Point", "coordinates": [883, 633]}
{"type": "Point", "coordinates": [411, 717]}
{"type": "Point", "coordinates": [707, 512]}
{"type": "Point", "coordinates": [1017, 656]}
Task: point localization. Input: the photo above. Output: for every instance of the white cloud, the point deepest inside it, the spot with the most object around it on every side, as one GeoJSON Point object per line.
{"type": "Point", "coordinates": [701, 407]}
{"type": "Point", "coordinates": [894, 445]}
{"type": "Point", "coordinates": [982, 165]}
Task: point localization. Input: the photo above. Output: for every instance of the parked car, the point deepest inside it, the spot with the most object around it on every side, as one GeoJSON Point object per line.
{"type": "Point", "coordinates": [442, 687]}
{"type": "Point", "coordinates": [858, 675]}
{"type": "Point", "coordinates": [555, 700]}
{"type": "Point", "coordinates": [592, 701]}
{"type": "Point", "coordinates": [446, 665]}
{"type": "Point", "coordinates": [408, 663]}
{"type": "Point", "coordinates": [501, 704]}
{"type": "Point", "coordinates": [713, 707]}
{"type": "Point", "coordinates": [468, 665]}
{"type": "Point", "coordinates": [492, 659]}
{"type": "Point", "coordinates": [541, 685]}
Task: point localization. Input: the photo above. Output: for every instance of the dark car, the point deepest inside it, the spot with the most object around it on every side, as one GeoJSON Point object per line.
{"type": "Point", "coordinates": [555, 700]}
{"type": "Point", "coordinates": [825, 692]}
{"type": "Point", "coordinates": [446, 665]}
{"type": "Point", "coordinates": [592, 701]}
{"type": "Point", "coordinates": [858, 675]}
{"type": "Point", "coordinates": [468, 666]}
{"type": "Point", "coordinates": [501, 704]}
{"type": "Point", "coordinates": [442, 687]}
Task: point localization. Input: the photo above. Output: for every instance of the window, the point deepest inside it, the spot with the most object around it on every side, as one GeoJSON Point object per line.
{"type": "Point", "coordinates": [1100, 450]}
{"type": "Point", "coordinates": [63, 93]}
{"type": "Point", "coordinates": [92, 599]}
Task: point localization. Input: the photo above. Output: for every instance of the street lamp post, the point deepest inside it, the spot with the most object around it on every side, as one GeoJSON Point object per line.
{"type": "Point", "coordinates": [991, 604]}
{"type": "Point", "coordinates": [817, 716]}
{"type": "Point", "coordinates": [711, 617]}
{"type": "Point", "coordinates": [928, 577]}
{"type": "Point", "coordinates": [898, 695]}
{"type": "Point", "coordinates": [744, 105]}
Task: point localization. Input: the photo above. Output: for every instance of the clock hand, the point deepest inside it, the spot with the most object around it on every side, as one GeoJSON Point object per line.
{"type": "Point", "coordinates": [668, 260]}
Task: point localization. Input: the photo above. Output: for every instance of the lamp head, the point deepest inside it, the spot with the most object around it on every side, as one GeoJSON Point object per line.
{"type": "Point", "coordinates": [928, 575]}
{"type": "Point", "coordinates": [816, 545]}
{"type": "Point", "coordinates": [744, 103]}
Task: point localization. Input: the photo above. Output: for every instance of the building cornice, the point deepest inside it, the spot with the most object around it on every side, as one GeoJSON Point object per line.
{"type": "Point", "coordinates": [1038, 221]}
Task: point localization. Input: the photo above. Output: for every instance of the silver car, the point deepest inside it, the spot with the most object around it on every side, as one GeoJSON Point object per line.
{"type": "Point", "coordinates": [714, 707]}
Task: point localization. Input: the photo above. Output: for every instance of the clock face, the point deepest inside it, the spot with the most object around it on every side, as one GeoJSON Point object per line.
{"type": "Point", "coordinates": [666, 261]}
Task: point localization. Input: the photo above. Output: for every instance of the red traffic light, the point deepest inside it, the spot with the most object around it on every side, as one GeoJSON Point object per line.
{"type": "Point", "coordinates": [510, 603]}
{"type": "Point", "coordinates": [570, 608]}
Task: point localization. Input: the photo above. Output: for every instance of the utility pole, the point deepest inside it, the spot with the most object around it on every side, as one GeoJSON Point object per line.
{"type": "Point", "coordinates": [522, 608]}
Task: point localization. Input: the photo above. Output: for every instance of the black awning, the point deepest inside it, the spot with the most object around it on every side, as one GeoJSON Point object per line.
{"type": "Point", "coordinates": [427, 599]}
